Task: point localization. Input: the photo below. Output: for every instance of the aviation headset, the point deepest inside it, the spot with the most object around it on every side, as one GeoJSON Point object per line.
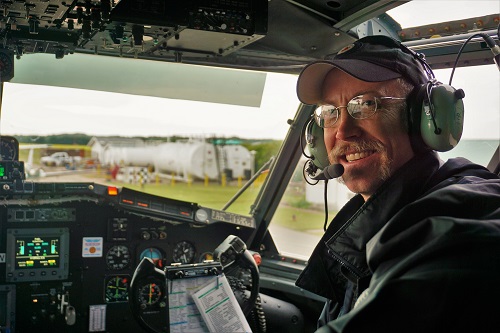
{"type": "Point", "coordinates": [435, 117]}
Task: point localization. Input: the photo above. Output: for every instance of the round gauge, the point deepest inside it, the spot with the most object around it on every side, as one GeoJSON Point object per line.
{"type": "Point", "coordinates": [206, 256]}
{"type": "Point", "coordinates": [116, 289]}
{"type": "Point", "coordinates": [6, 65]}
{"type": "Point", "coordinates": [154, 254]}
{"type": "Point", "coordinates": [118, 257]}
{"type": "Point", "coordinates": [183, 252]}
{"type": "Point", "coordinates": [9, 148]}
{"type": "Point", "coordinates": [149, 294]}
{"type": "Point", "coordinates": [201, 215]}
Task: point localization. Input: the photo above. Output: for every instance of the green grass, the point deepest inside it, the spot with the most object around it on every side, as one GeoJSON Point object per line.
{"type": "Point", "coordinates": [299, 219]}
{"type": "Point", "coordinates": [213, 195]}
{"type": "Point", "coordinates": [310, 220]}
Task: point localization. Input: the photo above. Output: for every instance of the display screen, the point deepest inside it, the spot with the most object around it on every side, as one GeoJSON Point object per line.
{"type": "Point", "coordinates": [37, 252]}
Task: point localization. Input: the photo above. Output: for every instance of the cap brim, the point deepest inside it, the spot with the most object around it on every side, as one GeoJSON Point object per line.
{"type": "Point", "coordinates": [310, 81]}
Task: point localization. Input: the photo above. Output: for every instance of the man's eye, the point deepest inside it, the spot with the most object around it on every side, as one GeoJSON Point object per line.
{"type": "Point", "coordinates": [368, 102]}
{"type": "Point", "coordinates": [329, 112]}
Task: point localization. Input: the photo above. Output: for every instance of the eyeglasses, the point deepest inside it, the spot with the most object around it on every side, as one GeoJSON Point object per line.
{"type": "Point", "coordinates": [360, 107]}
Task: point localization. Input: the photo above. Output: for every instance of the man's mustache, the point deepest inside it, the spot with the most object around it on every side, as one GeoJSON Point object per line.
{"type": "Point", "coordinates": [343, 149]}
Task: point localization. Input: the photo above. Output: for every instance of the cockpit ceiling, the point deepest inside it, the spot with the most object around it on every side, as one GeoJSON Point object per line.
{"type": "Point", "coordinates": [277, 35]}
{"type": "Point", "coordinates": [243, 34]}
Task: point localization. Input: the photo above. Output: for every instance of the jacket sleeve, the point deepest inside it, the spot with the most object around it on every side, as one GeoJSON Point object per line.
{"type": "Point", "coordinates": [446, 280]}
{"type": "Point", "coordinates": [330, 311]}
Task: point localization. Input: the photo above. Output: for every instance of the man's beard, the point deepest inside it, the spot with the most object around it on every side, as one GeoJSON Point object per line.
{"type": "Point", "coordinates": [383, 166]}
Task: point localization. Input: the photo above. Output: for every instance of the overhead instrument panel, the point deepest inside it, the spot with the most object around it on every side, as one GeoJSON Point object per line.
{"type": "Point", "coordinates": [133, 28]}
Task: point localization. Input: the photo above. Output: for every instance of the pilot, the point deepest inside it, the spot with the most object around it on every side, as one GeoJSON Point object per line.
{"type": "Point", "coordinates": [418, 248]}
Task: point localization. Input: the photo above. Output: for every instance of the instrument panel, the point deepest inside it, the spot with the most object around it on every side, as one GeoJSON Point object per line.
{"type": "Point", "coordinates": [68, 251]}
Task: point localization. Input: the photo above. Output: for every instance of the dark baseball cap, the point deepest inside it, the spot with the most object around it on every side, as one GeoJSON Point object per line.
{"type": "Point", "coordinates": [371, 59]}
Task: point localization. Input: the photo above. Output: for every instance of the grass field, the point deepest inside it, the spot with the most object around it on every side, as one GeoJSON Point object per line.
{"type": "Point", "coordinates": [212, 195]}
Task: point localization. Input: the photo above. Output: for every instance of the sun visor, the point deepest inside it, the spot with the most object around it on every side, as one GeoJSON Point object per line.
{"type": "Point", "coordinates": [143, 77]}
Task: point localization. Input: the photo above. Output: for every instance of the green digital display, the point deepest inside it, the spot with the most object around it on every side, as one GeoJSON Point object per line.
{"type": "Point", "coordinates": [2, 170]}
{"type": "Point", "coordinates": [37, 252]}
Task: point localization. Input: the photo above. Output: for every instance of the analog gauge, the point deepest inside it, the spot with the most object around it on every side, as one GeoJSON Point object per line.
{"type": "Point", "coordinates": [201, 215]}
{"type": "Point", "coordinates": [149, 294]}
{"type": "Point", "coordinates": [183, 252]}
{"type": "Point", "coordinates": [6, 65]}
{"type": "Point", "coordinates": [116, 289]}
{"type": "Point", "coordinates": [154, 254]}
{"type": "Point", "coordinates": [206, 256]}
{"type": "Point", "coordinates": [9, 148]}
{"type": "Point", "coordinates": [118, 257]}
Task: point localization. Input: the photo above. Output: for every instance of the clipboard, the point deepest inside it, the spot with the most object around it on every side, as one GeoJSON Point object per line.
{"type": "Point", "coordinates": [182, 281]}
{"type": "Point", "coordinates": [201, 300]}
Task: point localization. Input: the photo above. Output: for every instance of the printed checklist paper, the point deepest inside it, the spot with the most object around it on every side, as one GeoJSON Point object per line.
{"type": "Point", "coordinates": [204, 304]}
{"type": "Point", "coordinates": [219, 308]}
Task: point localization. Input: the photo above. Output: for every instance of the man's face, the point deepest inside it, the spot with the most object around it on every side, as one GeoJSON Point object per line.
{"type": "Point", "coordinates": [371, 149]}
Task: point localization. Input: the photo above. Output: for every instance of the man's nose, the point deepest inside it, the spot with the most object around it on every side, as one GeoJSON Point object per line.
{"type": "Point", "coordinates": [347, 126]}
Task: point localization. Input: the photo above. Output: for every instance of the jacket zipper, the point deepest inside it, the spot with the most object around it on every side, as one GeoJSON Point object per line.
{"type": "Point", "coordinates": [353, 270]}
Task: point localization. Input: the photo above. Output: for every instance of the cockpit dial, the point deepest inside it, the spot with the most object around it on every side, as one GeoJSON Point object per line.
{"type": "Point", "coordinates": [118, 257]}
{"type": "Point", "coordinates": [184, 252]}
{"type": "Point", "coordinates": [149, 294]}
{"type": "Point", "coordinates": [116, 289]}
{"type": "Point", "coordinates": [154, 254]}
{"type": "Point", "coordinates": [9, 148]}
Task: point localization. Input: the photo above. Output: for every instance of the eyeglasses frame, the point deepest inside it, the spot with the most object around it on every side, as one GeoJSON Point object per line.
{"type": "Point", "coordinates": [337, 108]}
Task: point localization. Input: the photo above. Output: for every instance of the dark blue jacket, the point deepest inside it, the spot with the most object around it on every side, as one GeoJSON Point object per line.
{"type": "Point", "coordinates": [421, 255]}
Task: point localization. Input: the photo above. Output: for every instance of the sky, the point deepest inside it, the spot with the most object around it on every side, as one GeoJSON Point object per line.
{"type": "Point", "coordinates": [38, 110]}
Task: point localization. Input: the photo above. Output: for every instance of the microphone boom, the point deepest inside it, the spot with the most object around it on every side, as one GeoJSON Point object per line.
{"type": "Point", "coordinates": [330, 172]}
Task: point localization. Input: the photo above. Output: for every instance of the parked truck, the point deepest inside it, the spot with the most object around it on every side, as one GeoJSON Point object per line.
{"type": "Point", "coordinates": [61, 158]}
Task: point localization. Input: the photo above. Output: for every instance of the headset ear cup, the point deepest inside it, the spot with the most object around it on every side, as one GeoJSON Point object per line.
{"type": "Point", "coordinates": [415, 104]}
{"type": "Point", "coordinates": [316, 144]}
{"type": "Point", "coordinates": [448, 109]}
{"type": "Point", "coordinates": [437, 126]}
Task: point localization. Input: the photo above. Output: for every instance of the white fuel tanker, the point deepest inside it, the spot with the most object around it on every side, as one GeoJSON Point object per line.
{"type": "Point", "coordinates": [185, 160]}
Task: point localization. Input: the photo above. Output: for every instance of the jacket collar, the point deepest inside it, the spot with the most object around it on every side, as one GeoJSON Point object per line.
{"type": "Point", "coordinates": [342, 248]}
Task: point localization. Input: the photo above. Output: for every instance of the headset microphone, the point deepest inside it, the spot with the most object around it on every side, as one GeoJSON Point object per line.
{"type": "Point", "coordinates": [496, 55]}
{"type": "Point", "coordinates": [330, 172]}
{"type": "Point", "coordinates": [493, 46]}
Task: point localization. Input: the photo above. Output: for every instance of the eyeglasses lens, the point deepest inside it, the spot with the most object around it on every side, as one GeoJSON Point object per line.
{"type": "Point", "coordinates": [360, 107]}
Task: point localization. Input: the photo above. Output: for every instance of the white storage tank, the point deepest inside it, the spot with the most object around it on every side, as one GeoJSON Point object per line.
{"type": "Point", "coordinates": [187, 159]}
{"type": "Point", "coordinates": [112, 155]}
{"type": "Point", "coordinates": [139, 156]}
{"type": "Point", "coordinates": [236, 161]}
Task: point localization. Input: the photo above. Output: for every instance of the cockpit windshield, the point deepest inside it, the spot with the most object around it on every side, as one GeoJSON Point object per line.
{"type": "Point", "coordinates": [204, 152]}
{"type": "Point", "coordinates": [190, 150]}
